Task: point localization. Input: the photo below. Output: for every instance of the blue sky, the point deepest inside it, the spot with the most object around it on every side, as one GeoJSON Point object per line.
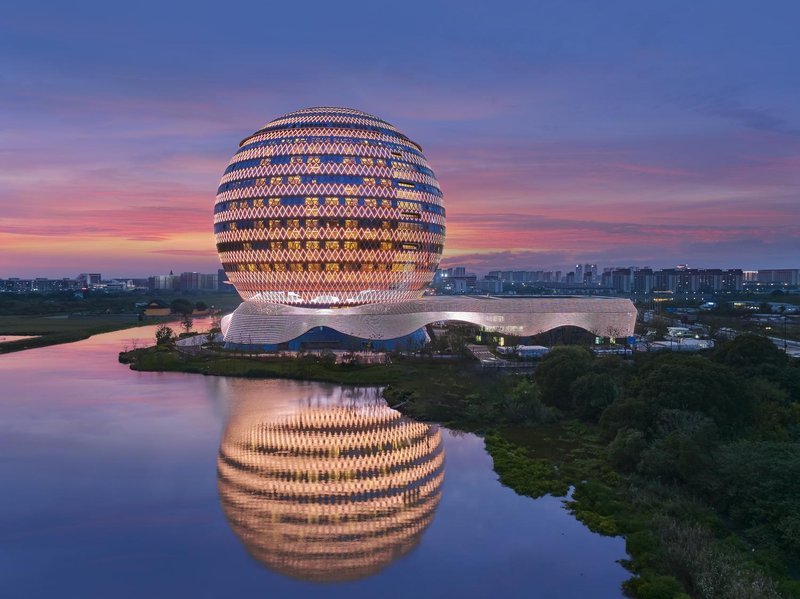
{"type": "Point", "coordinates": [615, 132]}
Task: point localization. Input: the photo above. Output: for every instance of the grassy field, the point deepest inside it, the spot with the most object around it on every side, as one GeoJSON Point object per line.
{"type": "Point", "coordinates": [64, 318]}
{"type": "Point", "coordinates": [415, 374]}
{"type": "Point", "coordinates": [52, 330]}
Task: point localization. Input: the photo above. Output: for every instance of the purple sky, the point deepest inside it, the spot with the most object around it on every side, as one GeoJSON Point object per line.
{"type": "Point", "coordinates": [616, 132]}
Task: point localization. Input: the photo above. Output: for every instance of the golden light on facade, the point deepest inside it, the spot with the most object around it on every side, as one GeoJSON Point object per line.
{"type": "Point", "coordinates": [334, 491]}
{"type": "Point", "coordinates": [306, 182]}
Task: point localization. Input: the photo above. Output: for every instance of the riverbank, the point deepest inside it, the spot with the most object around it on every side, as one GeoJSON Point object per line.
{"type": "Point", "coordinates": [64, 328]}
{"type": "Point", "coordinates": [693, 459]}
{"type": "Point", "coordinates": [421, 388]}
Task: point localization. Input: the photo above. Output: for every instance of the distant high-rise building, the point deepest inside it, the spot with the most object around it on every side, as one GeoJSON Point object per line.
{"type": "Point", "coordinates": [590, 273]}
{"type": "Point", "coordinates": [168, 282]}
{"type": "Point", "coordinates": [89, 278]}
{"type": "Point", "coordinates": [787, 276]}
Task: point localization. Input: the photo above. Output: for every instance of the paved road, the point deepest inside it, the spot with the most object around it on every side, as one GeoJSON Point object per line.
{"type": "Point", "coordinates": [792, 347]}
{"type": "Point", "coordinates": [489, 360]}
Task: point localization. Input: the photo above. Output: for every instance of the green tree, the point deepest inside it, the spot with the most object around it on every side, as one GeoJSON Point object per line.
{"type": "Point", "coordinates": [749, 351]}
{"type": "Point", "coordinates": [165, 335]}
{"type": "Point", "coordinates": [186, 323]}
{"type": "Point", "coordinates": [592, 393]}
{"type": "Point", "coordinates": [524, 404]}
{"type": "Point", "coordinates": [627, 413]}
{"type": "Point", "coordinates": [181, 306]}
{"type": "Point", "coordinates": [681, 450]}
{"type": "Point", "coordinates": [695, 384]}
{"type": "Point", "coordinates": [758, 489]}
{"type": "Point", "coordinates": [200, 306]}
{"type": "Point", "coordinates": [558, 370]}
{"type": "Point", "coordinates": [626, 449]}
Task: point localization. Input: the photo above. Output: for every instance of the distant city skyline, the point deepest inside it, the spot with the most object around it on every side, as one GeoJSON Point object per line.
{"type": "Point", "coordinates": [462, 268]}
{"type": "Point", "coordinates": [617, 134]}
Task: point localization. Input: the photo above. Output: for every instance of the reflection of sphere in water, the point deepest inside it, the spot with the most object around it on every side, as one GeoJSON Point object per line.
{"type": "Point", "coordinates": [331, 492]}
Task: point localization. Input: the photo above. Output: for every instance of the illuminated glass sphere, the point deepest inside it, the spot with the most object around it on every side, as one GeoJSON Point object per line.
{"type": "Point", "coordinates": [329, 207]}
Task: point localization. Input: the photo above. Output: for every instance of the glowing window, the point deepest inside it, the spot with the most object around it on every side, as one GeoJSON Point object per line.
{"type": "Point", "coordinates": [350, 224]}
{"type": "Point", "coordinates": [351, 201]}
{"type": "Point", "coordinates": [314, 266]}
{"type": "Point", "coordinates": [332, 245]}
{"type": "Point", "coordinates": [351, 245]}
{"type": "Point", "coordinates": [293, 245]}
{"type": "Point", "coordinates": [332, 201]}
{"type": "Point", "coordinates": [312, 245]}
{"type": "Point", "coordinates": [312, 223]}
{"type": "Point", "coordinates": [386, 245]}
{"type": "Point", "coordinates": [276, 245]}
{"type": "Point", "coordinates": [274, 201]}
{"type": "Point", "coordinates": [332, 266]}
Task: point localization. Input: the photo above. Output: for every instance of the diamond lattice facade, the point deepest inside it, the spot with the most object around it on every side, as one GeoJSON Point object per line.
{"type": "Point", "coordinates": [330, 224]}
{"type": "Point", "coordinates": [329, 207]}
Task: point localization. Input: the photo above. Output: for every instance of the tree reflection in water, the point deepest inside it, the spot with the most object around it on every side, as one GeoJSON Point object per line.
{"type": "Point", "coordinates": [333, 488]}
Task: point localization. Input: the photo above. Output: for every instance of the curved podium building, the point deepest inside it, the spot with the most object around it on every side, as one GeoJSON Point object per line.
{"type": "Point", "coordinates": [330, 223]}
{"type": "Point", "coordinates": [334, 490]}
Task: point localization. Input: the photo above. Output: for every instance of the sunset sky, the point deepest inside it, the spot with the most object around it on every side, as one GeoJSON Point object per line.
{"type": "Point", "coordinates": [620, 133]}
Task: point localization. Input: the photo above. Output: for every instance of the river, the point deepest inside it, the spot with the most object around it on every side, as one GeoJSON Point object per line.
{"type": "Point", "coordinates": [116, 483]}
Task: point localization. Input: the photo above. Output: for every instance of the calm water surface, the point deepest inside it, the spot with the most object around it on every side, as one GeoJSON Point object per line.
{"type": "Point", "coordinates": [123, 484]}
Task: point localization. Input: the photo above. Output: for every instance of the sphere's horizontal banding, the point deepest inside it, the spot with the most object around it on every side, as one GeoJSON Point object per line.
{"type": "Point", "coordinates": [329, 207]}
{"type": "Point", "coordinates": [330, 493]}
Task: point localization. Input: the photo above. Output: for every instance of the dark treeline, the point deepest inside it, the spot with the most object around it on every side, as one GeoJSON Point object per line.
{"type": "Point", "coordinates": [696, 460]}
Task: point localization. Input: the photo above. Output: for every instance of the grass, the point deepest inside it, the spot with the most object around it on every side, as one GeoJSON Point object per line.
{"type": "Point", "coordinates": [52, 330]}
{"type": "Point", "coordinates": [414, 377]}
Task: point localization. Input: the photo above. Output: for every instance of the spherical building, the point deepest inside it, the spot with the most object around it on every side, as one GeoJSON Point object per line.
{"type": "Point", "coordinates": [329, 207]}
{"type": "Point", "coordinates": [335, 491]}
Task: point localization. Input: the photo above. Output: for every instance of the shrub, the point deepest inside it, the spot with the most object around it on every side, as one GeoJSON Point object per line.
{"type": "Point", "coordinates": [558, 370]}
